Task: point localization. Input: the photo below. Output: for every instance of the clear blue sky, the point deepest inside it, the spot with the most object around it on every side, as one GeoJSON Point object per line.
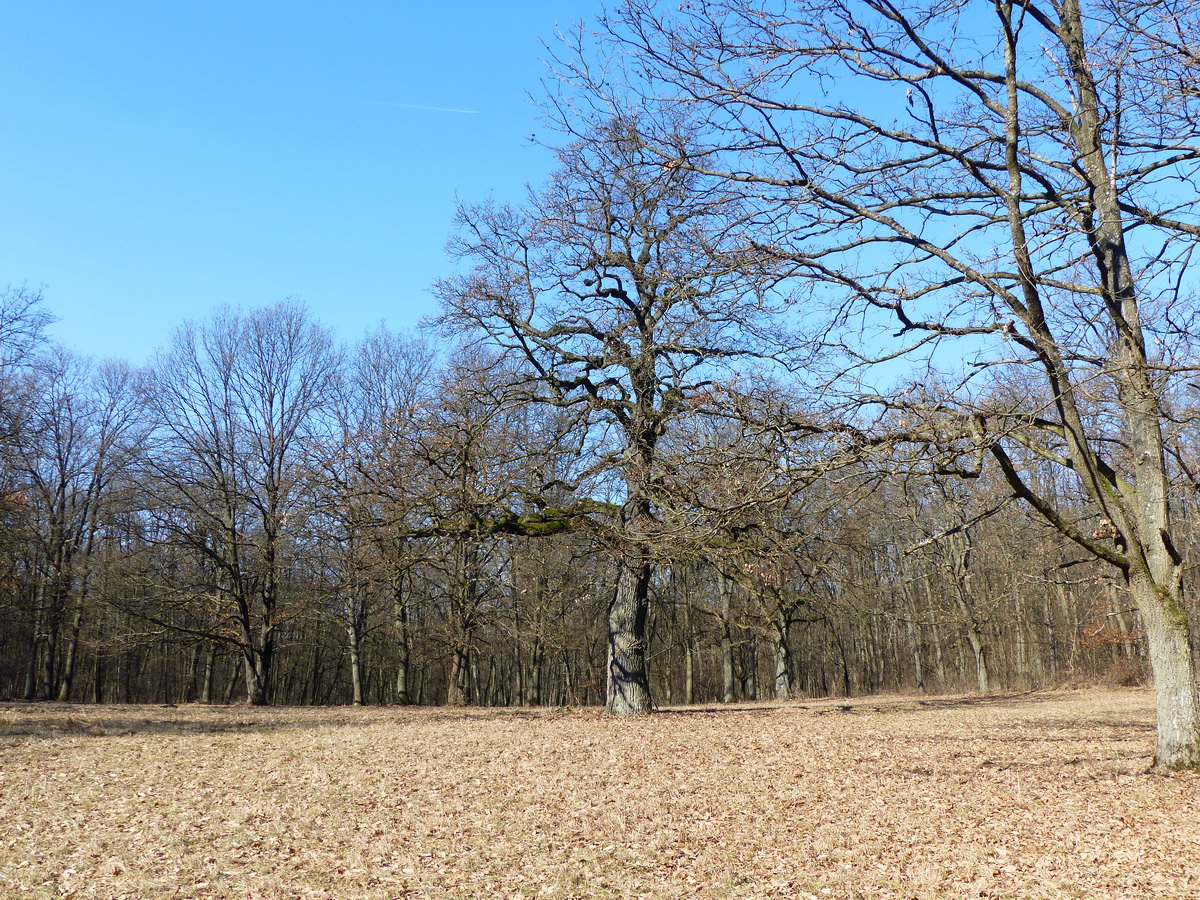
{"type": "Point", "coordinates": [162, 158]}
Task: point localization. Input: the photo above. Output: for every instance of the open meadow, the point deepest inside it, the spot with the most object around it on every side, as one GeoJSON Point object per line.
{"type": "Point", "coordinates": [1037, 795]}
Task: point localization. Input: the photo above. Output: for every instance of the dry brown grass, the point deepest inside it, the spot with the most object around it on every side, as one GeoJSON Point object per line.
{"type": "Point", "coordinates": [1042, 795]}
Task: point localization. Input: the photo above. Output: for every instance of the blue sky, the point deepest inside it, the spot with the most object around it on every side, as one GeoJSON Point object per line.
{"type": "Point", "coordinates": [164, 158]}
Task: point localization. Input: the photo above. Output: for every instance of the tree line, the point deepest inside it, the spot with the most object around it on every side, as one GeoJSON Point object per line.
{"type": "Point", "coordinates": [261, 515]}
{"type": "Point", "coordinates": [849, 346]}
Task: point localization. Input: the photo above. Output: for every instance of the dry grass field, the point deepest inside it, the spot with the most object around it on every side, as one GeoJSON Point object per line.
{"type": "Point", "coordinates": [1039, 795]}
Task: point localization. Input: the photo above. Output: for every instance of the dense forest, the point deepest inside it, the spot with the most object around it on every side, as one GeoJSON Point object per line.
{"type": "Point", "coordinates": [848, 348]}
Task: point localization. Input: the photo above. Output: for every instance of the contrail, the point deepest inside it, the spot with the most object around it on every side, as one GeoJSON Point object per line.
{"type": "Point", "coordinates": [449, 109]}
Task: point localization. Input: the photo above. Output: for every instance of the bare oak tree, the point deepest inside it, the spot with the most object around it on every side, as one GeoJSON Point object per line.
{"type": "Point", "coordinates": [79, 434]}
{"type": "Point", "coordinates": [626, 289]}
{"type": "Point", "coordinates": [1014, 179]}
{"type": "Point", "coordinates": [232, 400]}
{"type": "Point", "coordinates": [364, 474]}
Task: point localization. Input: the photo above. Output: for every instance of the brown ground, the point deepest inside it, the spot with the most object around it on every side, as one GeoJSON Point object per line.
{"type": "Point", "coordinates": [1040, 795]}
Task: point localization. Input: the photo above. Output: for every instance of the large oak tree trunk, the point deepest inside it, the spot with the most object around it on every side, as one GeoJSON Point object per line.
{"type": "Point", "coordinates": [1172, 660]}
{"type": "Point", "coordinates": [783, 658]}
{"type": "Point", "coordinates": [628, 682]}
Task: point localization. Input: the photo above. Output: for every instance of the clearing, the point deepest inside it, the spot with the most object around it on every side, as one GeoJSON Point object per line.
{"type": "Point", "coordinates": [1036, 795]}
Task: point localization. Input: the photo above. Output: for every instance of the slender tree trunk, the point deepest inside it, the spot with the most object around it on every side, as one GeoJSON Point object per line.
{"type": "Point", "coordinates": [1127, 647]}
{"type": "Point", "coordinates": [35, 641]}
{"type": "Point", "coordinates": [189, 680]}
{"type": "Point", "coordinates": [206, 685]}
{"type": "Point", "coordinates": [311, 685]}
{"type": "Point", "coordinates": [98, 678]}
{"type": "Point", "coordinates": [980, 651]}
{"type": "Point", "coordinates": [476, 689]}
{"type": "Point", "coordinates": [455, 690]}
{"type": "Point", "coordinates": [490, 692]}
{"type": "Point", "coordinates": [352, 636]}
{"type": "Point", "coordinates": [728, 687]}
{"type": "Point", "coordinates": [533, 678]}
{"type": "Point", "coordinates": [751, 654]}
{"type": "Point", "coordinates": [31, 667]}
{"type": "Point", "coordinates": [914, 643]}
{"type": "Point", "coordinates": [689, 652]}
{"type": "Point", "coordinates": [239, 664]}
{"type": "Point", "coordinates": [324, 699]}
{"type": "Point", "coordinates": [935, 633]}
{"type": "Point", "coordinates": [847, 684]}
{"type": "Point", "coordinates": [689, 673]}
{"type": "Point", "coordinates": [403, 647]}
{"type": "Point", "coordinates": [912, 630]}
{"type": "Point", "coordinates": [668, 674]}
{"type": "Point", "coordinates": [519, 673]}
{"type": "Point", "coordinates": [66, 682]}
{"type": "Point", "coordinates": [974, 634]}
{"type": "Point", "coordinates": [49, 660]}
{"type": "Point", "coordinates": [570, 693]}
{"type": "Point", "coordinates": [1051, 636]}
{"type": "Point", "coordinates": [1025, 665]}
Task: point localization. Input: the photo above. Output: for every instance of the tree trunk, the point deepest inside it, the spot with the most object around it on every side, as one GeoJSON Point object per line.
{"type": "Point", "coordinates": [403, 646]}
{"type": "Point", "coordinates": [210, 661]}
{"type": "Point", "coordinates": [67, 681]}
{"type": "Point", "coordinates": [1168, 637]}
{"type": "Point", "coordinates": [476, 690]}
{"type": "Point", "coordinates": [783, 658]}
{"type": "Point", "coordinates": [256, 669]}
{"type": "Point", "coordinates": [352, 637]}
{"type": "Point", "coordinates": [35, 642]}
{"type": "Point", "coordinates": [31, 667]}
{"type": "Point", "coordinates": [403, 697]}
{"type": "Point", "coordinates": [751, 656]}
{"type": "Point", "coordinates": [980, 651]}
{"type": "Point", "coordinates": [490, 693]}
{"type": "Point", "coordinates": [1051, 636]}
{"type": "Point", "coordinates": [689, 674]}
{"type": "Point", "coordinates": [914, 642]}
{"type": "Point", "coordinates": [455, 689]}
{"type": "Point", "coordinates": [98, 678]}
{"type": "Point", "coordinates": [239, 664]}
{"type": "Point", "coordinates": [628, 683]}
{"type": "Point", "coordinates": [847, 684]}
{"type": "Point", "coordinates": [912, 630]}
{"type": "Point", "coordinates": [689, 651]}
{"type": "Point", "coordinates": [188, 694]}
{"type": "Point", "coordinates": [533, 678]}
{"type": "Point", "coordinates": [49, 660]}
{"type": "Point", "coordinates": [728, 688]}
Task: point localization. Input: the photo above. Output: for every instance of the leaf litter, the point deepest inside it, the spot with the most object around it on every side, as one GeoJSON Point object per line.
{"type": "Point", "coordinates": [1041, 795]}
